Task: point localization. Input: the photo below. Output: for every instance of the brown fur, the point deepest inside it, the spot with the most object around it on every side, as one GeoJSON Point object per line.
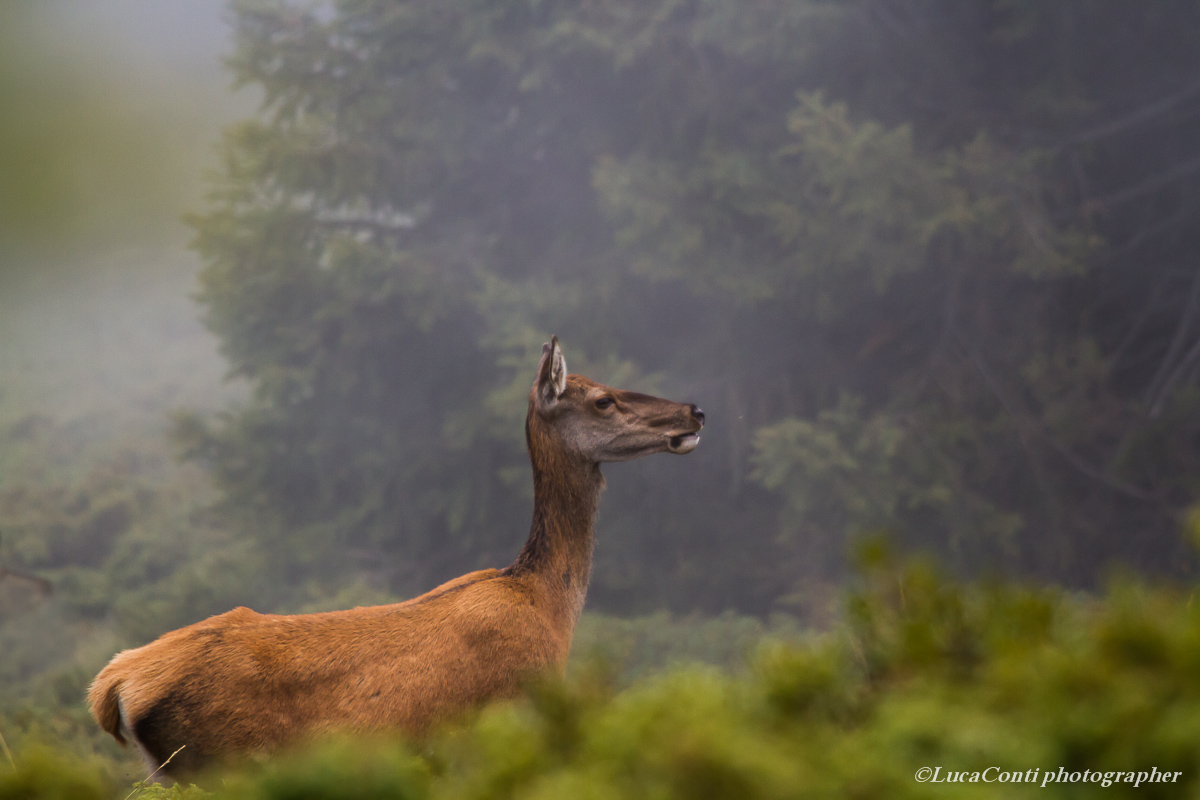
{"type": "Point", "coordinates": [246, 682]}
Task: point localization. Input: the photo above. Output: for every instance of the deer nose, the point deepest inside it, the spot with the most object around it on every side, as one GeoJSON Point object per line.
{"type": "Point", "coordinates": [697, 414]}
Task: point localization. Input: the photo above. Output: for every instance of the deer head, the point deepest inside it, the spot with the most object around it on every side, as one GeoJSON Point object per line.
{"type": "Point", "coordinates": [597, 423]}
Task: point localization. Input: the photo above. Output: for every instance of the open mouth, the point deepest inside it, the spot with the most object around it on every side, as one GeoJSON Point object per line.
{"type": "Point", "coordinates": [684, 443]}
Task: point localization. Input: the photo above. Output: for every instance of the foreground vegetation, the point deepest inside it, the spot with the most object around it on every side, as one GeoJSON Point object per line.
{"type": "Point", "coordinates": [923, 672]}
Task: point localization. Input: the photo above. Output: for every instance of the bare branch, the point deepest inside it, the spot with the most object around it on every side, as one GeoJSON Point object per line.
{"type": "Point", "coordinates": [1136, 327]}
{"type": "Point", "coordinates": [1154, 394]}
{"type": "Point", "coordinates": [383, 219]}
{"type": "Point", "coordinates": [1148, 232]}
{"type": "Point", "coordinates": [1157, 182]}
{"type": "Point", "coordinates": [1137, 117]}
{"type": "Point", "coordinates": [41, 584]}
{"type": "Point", "coordinates": [1035, 427]}
{"type": "Point", "coordinates": [1177, 375]}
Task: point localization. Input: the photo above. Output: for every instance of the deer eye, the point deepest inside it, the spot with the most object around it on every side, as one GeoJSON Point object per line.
{"type": "Point", "coordinates": [604, 402]}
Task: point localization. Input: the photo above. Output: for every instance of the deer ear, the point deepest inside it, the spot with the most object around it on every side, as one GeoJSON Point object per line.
{"type": "Point", "coordinates": [552, 375]}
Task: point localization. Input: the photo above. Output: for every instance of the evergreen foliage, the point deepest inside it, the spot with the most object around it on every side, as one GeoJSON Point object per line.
{"type": "Point", "coordinates": [925, 265]}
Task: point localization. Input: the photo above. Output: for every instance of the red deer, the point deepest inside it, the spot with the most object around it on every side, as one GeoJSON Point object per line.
{"type": "Point", "coordinates": [244, 682]}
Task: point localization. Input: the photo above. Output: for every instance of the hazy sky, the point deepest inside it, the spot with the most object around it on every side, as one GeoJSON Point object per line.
{"type": "Point", "coordinates": [169, 35]}
{"type": "Point", "coordinates": [107, 323]}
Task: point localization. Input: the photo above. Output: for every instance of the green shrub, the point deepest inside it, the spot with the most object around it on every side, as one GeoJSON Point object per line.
{"type": "Point", "coordinates": [924, 672]}
{"type": "Point", "coordinates": [41, 774]}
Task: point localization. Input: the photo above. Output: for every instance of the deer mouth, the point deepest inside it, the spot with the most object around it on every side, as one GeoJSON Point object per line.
{"type": "Point", "coordinates": [683, 443]}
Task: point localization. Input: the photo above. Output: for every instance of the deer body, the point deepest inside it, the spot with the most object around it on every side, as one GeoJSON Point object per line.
{"type": "Point", "coordinates": [245, 682]}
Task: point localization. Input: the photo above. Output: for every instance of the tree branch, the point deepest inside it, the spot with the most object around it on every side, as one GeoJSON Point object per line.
{"type": "Point", "coordinates": [1157, 182]}
{"type": "Point", "coordinates": [1137, 117]}
{"type": "Point", "coordinates": [1147, 232]}
{"type": "Point", "coordinates": [1071, 458]}
{"type": "Point", "coordinates": [1153, 394]}
{"type": "Point", "coordinates": [1185, 365]}
{"type": "Point", "coordinates": [1136, 327]}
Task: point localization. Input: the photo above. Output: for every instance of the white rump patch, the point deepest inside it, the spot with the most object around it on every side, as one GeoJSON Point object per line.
{"type": "Point", "coordinates": [152, 764]}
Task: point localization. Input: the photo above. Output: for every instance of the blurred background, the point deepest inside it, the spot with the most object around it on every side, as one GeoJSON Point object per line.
{"type": "Point", "coordinates": [274, 279]}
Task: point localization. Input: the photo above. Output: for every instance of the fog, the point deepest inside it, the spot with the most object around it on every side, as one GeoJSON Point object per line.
{"type": "Point", "coordinates": [128, 99]}
{"type": "Point", "coordinates": [927, 267]}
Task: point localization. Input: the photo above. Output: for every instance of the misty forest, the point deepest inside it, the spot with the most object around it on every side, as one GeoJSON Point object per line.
{"type": "Point", "coordinates": [273, 296]}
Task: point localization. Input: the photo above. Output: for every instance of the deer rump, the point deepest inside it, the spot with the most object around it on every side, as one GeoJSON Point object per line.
{"type": "Point", "coordinates": [234, 682]}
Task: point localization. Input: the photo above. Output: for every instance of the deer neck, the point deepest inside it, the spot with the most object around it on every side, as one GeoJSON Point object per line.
{"type": "Point", "coordinates": [558, 552]}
